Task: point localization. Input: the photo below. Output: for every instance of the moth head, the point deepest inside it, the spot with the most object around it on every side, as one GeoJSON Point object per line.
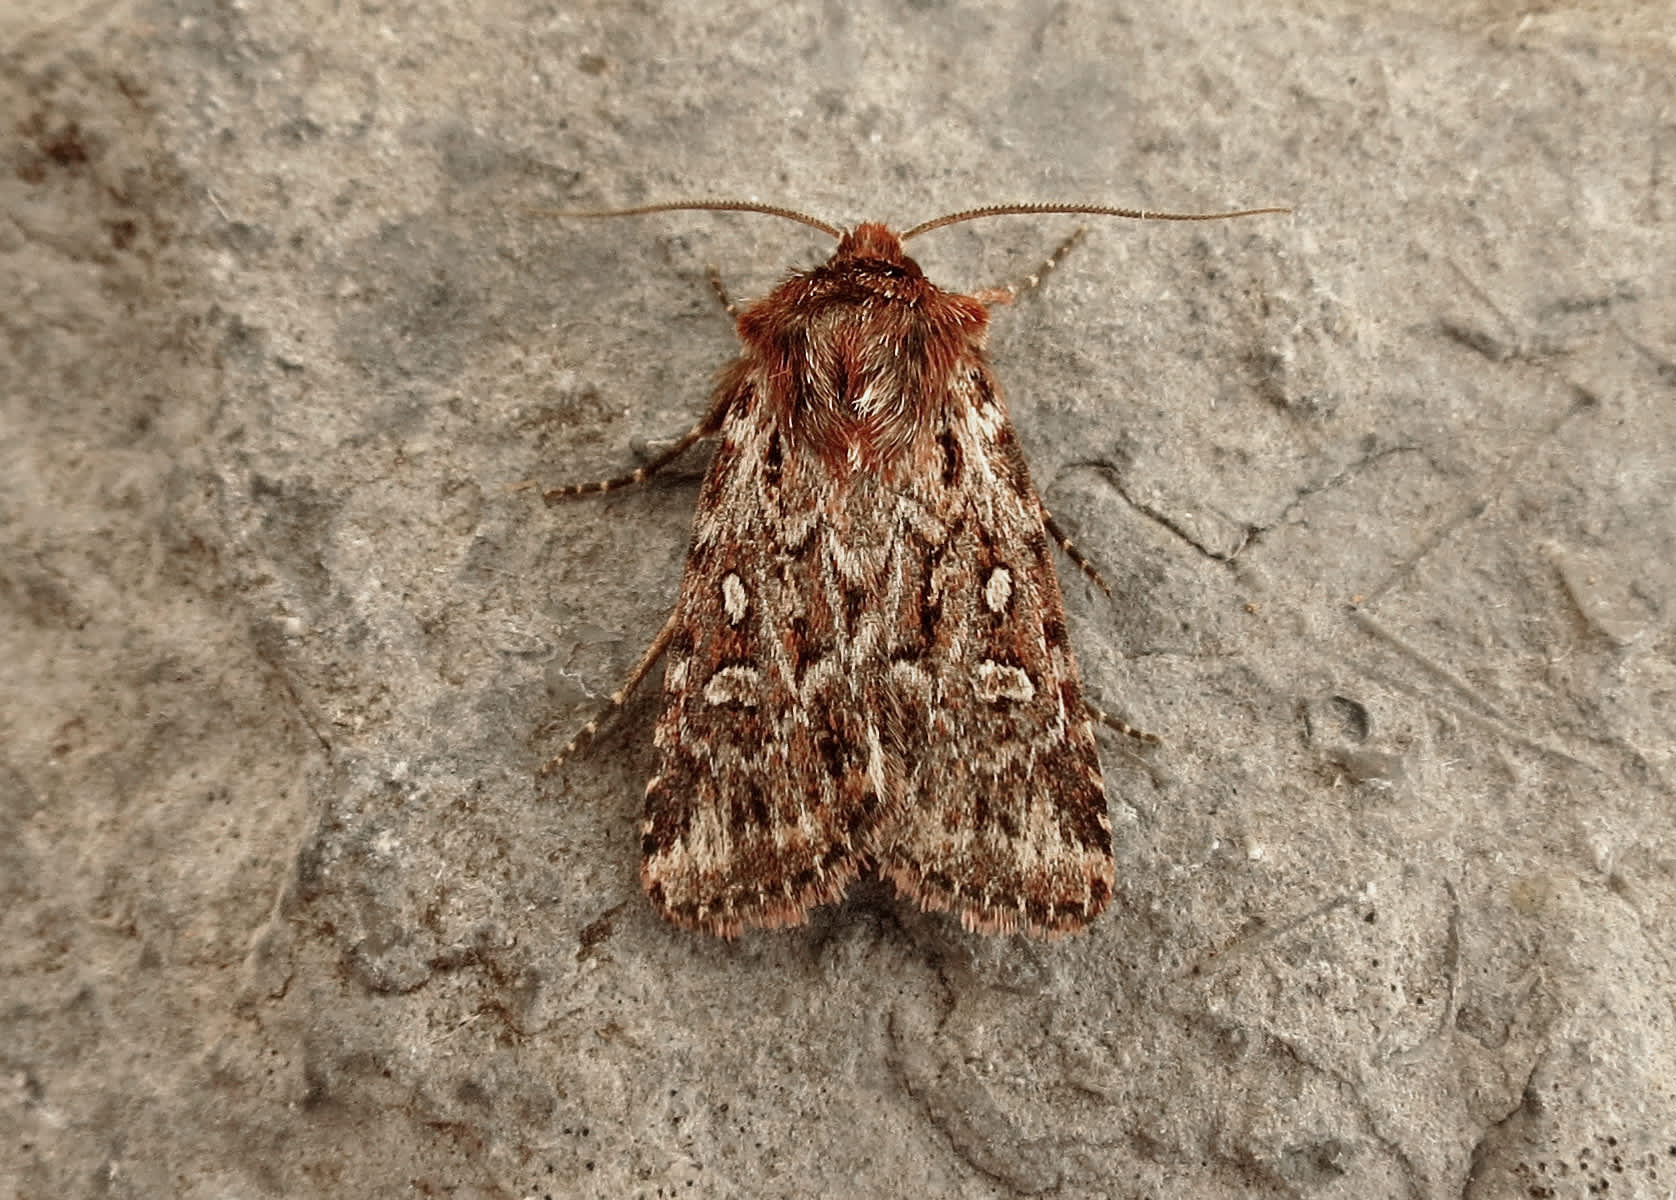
{"type": "Point", "coordinates": [871, 241]}
{"type": "Point", "coordinates": [868, 278]}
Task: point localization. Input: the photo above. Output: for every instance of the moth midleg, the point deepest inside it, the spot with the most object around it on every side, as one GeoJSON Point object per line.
{"type": "Point", "coordinates": [618, 697]}
{"type": "Point", "coordinates": [1088, 569]}
{"type": "Point", "coordinates": [1010, 292]}
{"type": "Point", "coordinates": [1073, 552]}
{"type": "Point", "coordinates": [1120, 725]}
{"type": "Point", "coordinates": [708, 427]}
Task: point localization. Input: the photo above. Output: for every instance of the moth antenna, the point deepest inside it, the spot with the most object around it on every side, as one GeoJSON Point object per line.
{"type": "Point", "coordinates": [747, 206]}
{"type": "Point", "coordinates": [1097, 210]}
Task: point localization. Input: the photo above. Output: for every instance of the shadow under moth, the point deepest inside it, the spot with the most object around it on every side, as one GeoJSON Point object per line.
{"type": "Point", "coordinates": [868, 667]}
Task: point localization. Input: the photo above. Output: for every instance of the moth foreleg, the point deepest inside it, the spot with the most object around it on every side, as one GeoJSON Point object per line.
{"type": "Point", "coordinates": [1121, 726]}
{"type": "Point", "coordinates": [708, 427]}
{"type": "Point", "coordinates": [716, 285]}
{"type": "Point", "coordinates": [1073, 553]}
{"type": "Point", "coordinates": [1008, 293]}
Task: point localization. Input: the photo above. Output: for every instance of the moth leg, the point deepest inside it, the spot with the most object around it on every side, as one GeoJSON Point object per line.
{"type": "Point", "coordinates": [720, 288]}
{"type": "Point", "coordinates": [618, 697]}
{"type": "Point", "coordinates": [708, 427]}
{"type": "Point", "coordinates": [1121, 726]}
{"type": "Point", "coordinates": [1087, 568]}
{"type": "Point", "coordinates": [1073, 553]}
{"type": "Point", "coordinates": [1012, 291]}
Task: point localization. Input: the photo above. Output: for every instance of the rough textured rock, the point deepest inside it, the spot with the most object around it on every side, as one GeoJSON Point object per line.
{"type": "Point", "coordinates": [1384, 490]}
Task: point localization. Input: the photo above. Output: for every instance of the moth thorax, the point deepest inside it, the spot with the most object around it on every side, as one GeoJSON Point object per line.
{"type": "Point", "coordinates": [858, 398]}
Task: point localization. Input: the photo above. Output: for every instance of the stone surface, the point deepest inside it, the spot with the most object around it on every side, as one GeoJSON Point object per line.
{"type": "Point", "coordinates": [1383, 488]}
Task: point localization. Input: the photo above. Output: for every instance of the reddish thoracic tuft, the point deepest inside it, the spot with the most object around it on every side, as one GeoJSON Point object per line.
{"type": "Point", "coordinates": [856, 350]}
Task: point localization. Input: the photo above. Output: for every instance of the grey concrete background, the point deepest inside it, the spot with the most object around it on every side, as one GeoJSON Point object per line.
{"type": "Point", "coordinates": [1385, 490]}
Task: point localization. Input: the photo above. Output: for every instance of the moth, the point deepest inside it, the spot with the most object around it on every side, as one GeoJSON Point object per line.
{"type": "Point", "coordinates": [868, 667]}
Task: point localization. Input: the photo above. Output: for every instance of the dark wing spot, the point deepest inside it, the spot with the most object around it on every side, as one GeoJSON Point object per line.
{"type": "Point", "coordinates": [773, 464]}
{"type": "Point", "coordinates": [750, 806]}
{"type": "Point", "coordinates": [841, 383]}
{"type": "Point", "coordinates": [1099, 893]}
{"type": "Point", "coordinates": [952, 459]}
{"type": "Point", "coordinates": [805, 651]}
{"type": "Point", "coordinates": [1011, 455]}
{"type": "Point", "coordinates": [1038, 546]}
{"type": "Point", "coordinates": [930, 613]}
{"type": "Point", "coordinates": [1080, 821]}
{"type": "Point", "coordinates": [939, 881]}
{"type": "Point", "coordinates": [834, 754]}
{"type": "Point", "coordinates": [668, 819]}
{"type": "Point", "coordinates": [803, 880]}
{"type": "Point", "coordinates": [855, 603]}
{"type": "Point", "coordinates": [1039, 912]}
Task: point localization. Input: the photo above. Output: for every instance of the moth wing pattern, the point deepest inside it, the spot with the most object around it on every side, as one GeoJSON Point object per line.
{"type": "Point", "coordinates": [874, 671]}
{"type": "Point", "coordinates": [1003, 821]}
{"type": "Point", "coordinates": [762, 797]}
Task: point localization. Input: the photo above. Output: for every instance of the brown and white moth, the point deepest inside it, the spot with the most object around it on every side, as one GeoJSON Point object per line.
{"type": "Point", "coordinates": [868, 663]}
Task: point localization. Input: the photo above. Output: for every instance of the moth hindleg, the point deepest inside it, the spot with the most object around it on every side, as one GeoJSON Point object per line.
{"type": "Point", "coordinates": [619, 697]}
